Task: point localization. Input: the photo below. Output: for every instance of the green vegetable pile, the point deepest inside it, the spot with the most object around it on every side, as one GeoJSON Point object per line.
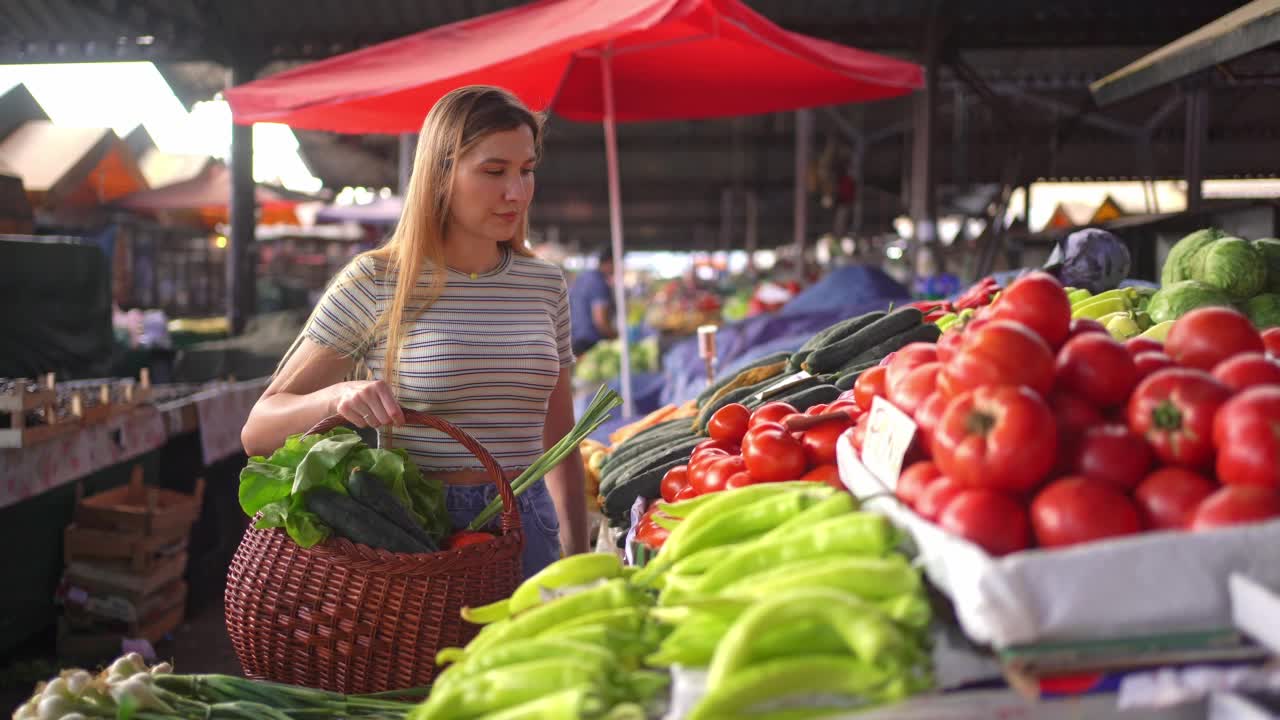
{"type": "Point", "coordinates": [1209, 267]}
{"type": "Point", "coordinates": [786, 593]}
{"type": "Point", "coordinates": [281, 486]}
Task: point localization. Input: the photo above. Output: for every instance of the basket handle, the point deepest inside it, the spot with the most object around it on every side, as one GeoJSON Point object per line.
{"type": "Point", "coordinates": [510, 513]}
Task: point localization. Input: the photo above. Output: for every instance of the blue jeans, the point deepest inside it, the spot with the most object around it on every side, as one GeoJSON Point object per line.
{"type": "Point", "coordinates": [537, 518]}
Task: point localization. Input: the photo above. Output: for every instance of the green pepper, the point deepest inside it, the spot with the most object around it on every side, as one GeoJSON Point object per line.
{"type": "Point", "coordinates": [598, 634]}
{"type": "Point", "coordinates": [870, 578]}
{"type": "Point", "coordinates": [859, 533]}
{"type": "Point", "coordinates": [871, 637]}
{"type": "Point", "coordinates": [813, 674]}
{"type": "Point", "coordinates": [568, 704]}
{"type": "Point", "coordinates": [573, 570]}
{"type": "Point", "coordinates": [692, 566]}
{"type": "Point", "coordinates": [523, 652]}
{"type": "Point", "coordinates": [485, 614]}
{"type": "Point", "coordinates": [839, 504]}
{"type": "Point", "coordinates": [506, 687]}
{"type": "Point", "coordinates": [612, 595]}
{"type": "Point", "coordinates": [911, 610]}
{"type": "Point", "coordinates": [626, 619]}
{"type": "Point", "coordinates": [691, 644]}
{"type": "Point", "coordinates": [736, 524]}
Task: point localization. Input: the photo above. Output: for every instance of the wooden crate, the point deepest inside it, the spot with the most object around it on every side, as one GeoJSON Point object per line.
{"type": "Point", "coordinates": [19, 434]}
{"type": "Point", "coordinates": [98, 578]}
{"type": "Point", "coordinates": [137, 553]}
{"type": "Point", "coordinates": [138, 509]}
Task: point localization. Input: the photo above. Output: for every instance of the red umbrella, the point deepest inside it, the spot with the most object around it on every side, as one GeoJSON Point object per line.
{"type": "Point", "coordinates": [668, 59]}
{"type": "Point", "coordinates": [207, 195]}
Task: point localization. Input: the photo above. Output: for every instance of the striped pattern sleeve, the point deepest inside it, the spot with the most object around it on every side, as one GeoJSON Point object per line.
{"type": "Point", "coordinates": [564, 326]}
{"type": "Point", "coordinates": [347, 312]}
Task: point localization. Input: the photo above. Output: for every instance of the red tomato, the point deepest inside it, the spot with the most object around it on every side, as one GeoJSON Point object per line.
{"type": "Point", "coordinates": [846, 406]}
{"type": "Point", "coordinates": [1138, 345]}
{"type": "Point", "coordinates": [907, 359]}
{"type": "Point", "coordinates": [847, 395]}
{"type": "Point", "coordinates": [820, 442]}
{"type": "Point", "coordinates": [949, 344]}
{"type": "Point", "coordinates": [786, 421]}
{"type": "Point", "coordinates": [912, 389]}
{"type": "Point", "coordinates": [818, 409]}
{"type": "Point", "coordinates": [1003, 352]}
{"type": "Point", "coordinates": [859, 432]}
{"type": "Point", "coordinates": [1080, 326]}
{"type": "Point", "coordinates": [729, 423]}
{"type": "Point", "coordinates": [1097, 368]}
{"type": "Point", "coordinates": [770, 412]}
{"type": "Point", "coordinates": [868, 386]}
{"type": "Point", "coordinates": [729, 447]}
{"type": "Point", "coordinates": [913, 481]}
{"type": "Point", "coordinates": [675, 480]}
{"type": "Point", "coordinates": [1148, 363]}
{"type": "Point", "coordinates": [467, 537]}
{"type": "Point", "coordinates": [826, 474]}
{"type": "Point", "coordinates": [993, 520]}
{"type": "Point", "coordinates": [1260, 404]}
{"type": "Point", "coordinates": [1271, 339]}
{"type": "Point", "coordinates": [651, 533]}
{"type": "Point", "coordinates": [1077, 510]}
{"type": "Point", "coordinates": [716, 473]}
{"type": "Point", "coordinates": [1246, 370]}
{"type": "Point", "coordinates": [1236, 505]}
{"type": "Point", "coordinates": [699, 464]}
{"type": "Point", "coordinates": [1112, 453]}
{"type": "Point", "coordinates": [1252, 456]}
{"type": "Point", "coordinates": [1037, 301]}
{"type": "Point", "coordinates": [1169, 497]}
{"type": "Point", "coordinates": [688, 492]}
{"type": "Point", "coordinates": [1173, 409]}
{"type": "Point", "coordinates": [738, 480]}
{"type": "Point", "coordinates": [928, 415]}
{"type": "Point", "coordinates": [936, 496]}
{"type": "Point", "coordinates": [774, 456]}
{"type": "Point", "coordinates": [1001, 437]}
{"type": "Point", "coordinates": [1073, 413]}
{"type": "Point", "coordinates": [1206, 336]}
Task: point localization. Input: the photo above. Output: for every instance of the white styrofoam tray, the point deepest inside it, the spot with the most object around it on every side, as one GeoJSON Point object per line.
{"type": "Point", "coordinates": [1144, 584]}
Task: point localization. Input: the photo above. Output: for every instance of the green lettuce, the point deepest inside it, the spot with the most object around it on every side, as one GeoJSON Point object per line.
{"type": "Point", "coordinates": [275, 488]}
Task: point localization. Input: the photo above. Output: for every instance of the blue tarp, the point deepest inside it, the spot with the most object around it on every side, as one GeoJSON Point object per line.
{"type": "Point", "coordinates": [845, 287]}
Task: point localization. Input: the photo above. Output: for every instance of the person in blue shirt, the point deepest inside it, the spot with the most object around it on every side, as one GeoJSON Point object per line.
{"type": "Point", "coordinates": [591, 307]}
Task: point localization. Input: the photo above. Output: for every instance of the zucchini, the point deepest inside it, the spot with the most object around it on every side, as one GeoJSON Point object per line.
{"type": "Point", "coordinates": [646, 483]}
{"type": "Point", "coordinates": [826, 336]}
{"type": "Point", "coordinates": [650, 436]}
{"type": "Point", "coordinates": [927, 332]}
{"type": "Point", "coordinates": [368, 490]}
{"type": "Point", "coordinates": [685, 435]}
{"type": "Point", "coordinates": [739, 394]}
{"type": "Point", "coordinates": [838, 354]}
{"type": "Point", "coordinates": [751, 377]}
{"type": "Point", "coordinates": [666, 453]}
{"type": "Point", "coordinates": [804, 399]}
{"type": "Point", "coordinates": [801, 385]}
{"type": "Point", "coordinates": [846, 380]}
{"type": "Point", "coordinates": [858, 366]}
{"type": "Point", "coordinates": [358, 523]}
{"type": "Point", "coordinates": [709, 392]}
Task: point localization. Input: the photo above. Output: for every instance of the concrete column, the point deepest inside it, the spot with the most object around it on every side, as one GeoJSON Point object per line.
{"type": "Point", "coordinates": [240, 271]}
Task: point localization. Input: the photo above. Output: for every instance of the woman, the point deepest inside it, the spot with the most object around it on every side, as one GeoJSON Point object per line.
{"type": "Point", "coordinates": [456, 317]}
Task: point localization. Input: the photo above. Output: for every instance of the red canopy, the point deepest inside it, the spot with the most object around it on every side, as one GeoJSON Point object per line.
{"type": "Point", "coordinates": [672, 59]}
{"type": "Point", "coordinates": [208, 195]}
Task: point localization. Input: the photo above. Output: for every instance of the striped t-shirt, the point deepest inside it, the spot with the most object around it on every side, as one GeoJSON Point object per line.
{"type": "Point", "coordinates": [485, 356]}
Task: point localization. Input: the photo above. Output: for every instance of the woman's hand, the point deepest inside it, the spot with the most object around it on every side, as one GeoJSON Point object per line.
{"type": "Point", "coordinates": [367, 403]}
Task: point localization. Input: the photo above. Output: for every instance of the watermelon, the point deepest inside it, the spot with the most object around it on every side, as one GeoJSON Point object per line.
{"type": "Point", "coordinates": [1270, 249]}
{"type": "Point", "coordinates": [1232, 265]}
{"type": "Point", "coordinates": [1177, 264]}
{"type": "Point", "coordinates": [1173, 301]}
{"type": "Point", "coordinates": [1263, 310]}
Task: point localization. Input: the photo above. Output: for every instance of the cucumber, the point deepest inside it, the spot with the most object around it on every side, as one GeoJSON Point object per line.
{"type": "Point", "coordinates": [847, 380]}
{"type": "Point", "coordinates": [804, 399]}
{"type": "Point", "coordinates": [646, 483]}
{"type": "Point", "coordinates": [649, 436]}
{"type": "Point", "coordinates": [830, 334]}
{"type": "Point", "coordinates": [711, 389]}
{"type": "Point", "coordinates": [368, 490]}
{"type": "Point", "coordinates": [360, 524]}
{"type": "Point", "coordinates": [733, 396]}
{"type": "Point", "coordinates": [666, 453]}
{"type": "Point", "coordinates": [656, 444]}
{"type": "Point", "coordinates": [838, 354]}
{"type": "Point", "coordinates": [801, 385]}
{"type": "Point", "coordinates": [858, 366]}
{"type": "Point", "coordinates": [927, 332]}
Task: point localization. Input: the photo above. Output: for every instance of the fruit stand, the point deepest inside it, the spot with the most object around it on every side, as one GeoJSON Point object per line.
{"type": "Point", "coordinates": [1030, 499]}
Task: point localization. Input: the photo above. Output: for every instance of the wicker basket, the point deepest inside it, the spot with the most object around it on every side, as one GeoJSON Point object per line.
{"type": "Point", "coordinates": [354, 619]}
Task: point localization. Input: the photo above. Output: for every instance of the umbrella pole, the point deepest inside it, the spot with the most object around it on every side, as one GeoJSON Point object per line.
{"type": "Point", "coordinates": [615, 229]}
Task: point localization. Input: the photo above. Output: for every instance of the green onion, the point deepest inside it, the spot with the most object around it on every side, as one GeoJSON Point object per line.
{"type": "Point", "coordinates": [597, 412]}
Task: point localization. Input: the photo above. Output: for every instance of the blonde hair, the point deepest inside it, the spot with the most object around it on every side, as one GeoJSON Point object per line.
{"type": "Point", "coordinates": [456, 124]}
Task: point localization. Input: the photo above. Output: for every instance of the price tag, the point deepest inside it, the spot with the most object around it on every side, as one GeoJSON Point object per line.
{"type": "Point", "coordinates": [781, 386]}
{"type": "Point", "coordinates": [889, 435]}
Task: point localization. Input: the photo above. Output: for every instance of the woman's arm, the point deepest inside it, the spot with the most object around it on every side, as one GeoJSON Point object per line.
{"type": "Point", "coordinates": [308, 389]}
{"type": "Point", "coordinates": [566, 481]}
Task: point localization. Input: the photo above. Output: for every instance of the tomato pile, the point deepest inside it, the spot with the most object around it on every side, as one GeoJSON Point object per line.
{"type": "Point", "coordinates": [775, 443]}
{"type": "Point", "coordinates": [1039, 430]}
